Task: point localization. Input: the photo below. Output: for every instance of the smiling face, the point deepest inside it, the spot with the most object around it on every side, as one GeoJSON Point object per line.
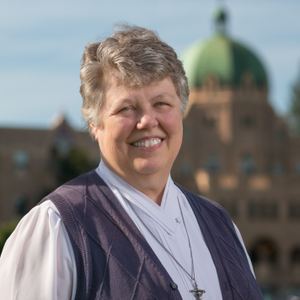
{"type": "Point", "coordinates": [140, 132]}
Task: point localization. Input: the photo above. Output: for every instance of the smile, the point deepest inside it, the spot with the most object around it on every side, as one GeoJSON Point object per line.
{"type": "Point", "coordinates": [147, 143]}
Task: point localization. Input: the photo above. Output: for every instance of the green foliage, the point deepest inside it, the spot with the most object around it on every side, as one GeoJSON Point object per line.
{"type": "Point", "coordinates": [6, 230]}
{"type": "Point", "coordinates": [71, 165]}
{"type": "Point", "coordinates": [294, 111]}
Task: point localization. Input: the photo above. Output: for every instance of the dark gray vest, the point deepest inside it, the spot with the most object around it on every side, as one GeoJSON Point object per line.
{"type": "Point", "coordinates": [115, 262]}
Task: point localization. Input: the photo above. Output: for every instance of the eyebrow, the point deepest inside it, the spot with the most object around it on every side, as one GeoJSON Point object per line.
{"type": "Point", "coordinates": [163, 95]}
{"type": "Point", "coordinates": [123, 101]}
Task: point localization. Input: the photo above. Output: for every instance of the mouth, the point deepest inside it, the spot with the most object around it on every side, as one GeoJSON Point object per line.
{"type": "Point", "coordinates": [147, 143]}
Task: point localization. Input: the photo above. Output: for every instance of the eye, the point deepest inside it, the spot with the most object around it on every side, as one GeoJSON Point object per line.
{"type": "Point", "coordinates": [160, 104]}
{"type": "Point", "coordinates": [124, 109]}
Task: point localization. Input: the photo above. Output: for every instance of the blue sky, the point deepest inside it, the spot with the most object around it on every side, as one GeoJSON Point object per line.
{"type": "Point", "coordinates": [42, 44]}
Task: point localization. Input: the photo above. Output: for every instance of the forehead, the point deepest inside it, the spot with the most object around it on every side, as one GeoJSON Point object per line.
{"type": "Point", "coordinates": [113, 79]}
{"type": "Point", "coordinates": [116, 92]}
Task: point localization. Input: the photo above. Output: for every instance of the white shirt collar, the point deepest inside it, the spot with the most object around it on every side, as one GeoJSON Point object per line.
{"type": "Point", "coordinates": [164, 215]}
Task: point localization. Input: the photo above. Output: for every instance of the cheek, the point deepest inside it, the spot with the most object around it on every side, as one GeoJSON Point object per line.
{"type": "Point", "coordinates": [176, 134]}
{"type": "Point", "coordinates": [117, 133]}
{"type": "Point", "coordinates": [173, 125]}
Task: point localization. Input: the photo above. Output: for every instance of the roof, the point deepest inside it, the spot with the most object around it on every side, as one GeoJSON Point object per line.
{"type": "Point", "coordinates": [223, 58]}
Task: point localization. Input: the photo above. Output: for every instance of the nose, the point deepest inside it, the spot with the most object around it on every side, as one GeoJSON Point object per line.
{"type": "Point", "coordinates": [147, 120]}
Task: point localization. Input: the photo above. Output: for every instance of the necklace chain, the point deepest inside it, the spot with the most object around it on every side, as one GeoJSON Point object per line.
{"type": "Point", "coordinates": [196, 292]}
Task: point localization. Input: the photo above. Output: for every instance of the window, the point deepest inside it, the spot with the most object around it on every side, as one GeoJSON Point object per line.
{"type": "Point", "coordinates": [295, 256]}
{"type": "Point", "coordinates": [20, 205]}
{"type": "Point", "coordinates": [63, 140]}
{"type": "Point", "coordinates": [212, 162]}
{"type": "Point", "coordinates": [262, 210]}
{"type": "Point", "coordinates": [247, 121]}
{"type": "Point", "coordinates": [247, 163]}
{"type": "Point", "coordinates": [186, 168]}
{"type": "Point", "coordinates": [187, 133]}
{"type": "Point", "coordinates": [294, 210]}
{"type": "Point", "coordinates": [209, 122]}
{"type": "Point", "coordinates": [21, 160]}
{"type": "Point", "coordinates": [264, 250]}
{"type": "Point", "coordinates": [277, 169]}
{"type": "Point", "coordinates": [63, 147]}
{"type": "Point", "coordinates": [231, 207]}
{"type": "Point", "coordinates": [280, 136]}
{"type": "Point", "coordinates": [298, 168]}
{"type": "Point", "coordinates": [247, 80]}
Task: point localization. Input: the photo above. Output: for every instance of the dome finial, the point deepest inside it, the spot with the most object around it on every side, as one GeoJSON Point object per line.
{"type": "Point", "coordinates": [221, 18]}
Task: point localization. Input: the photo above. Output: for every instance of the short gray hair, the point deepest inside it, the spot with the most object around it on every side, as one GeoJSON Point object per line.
{"type": "Point", "coordinates": [139, 56]}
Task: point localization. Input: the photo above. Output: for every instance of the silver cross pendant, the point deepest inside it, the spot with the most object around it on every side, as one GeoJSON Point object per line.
{"type": "Point", "coordinates": [197, 293]}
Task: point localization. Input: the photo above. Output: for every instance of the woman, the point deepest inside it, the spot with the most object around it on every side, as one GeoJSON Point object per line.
{"type": "Point", "coordinates": [125, 230]}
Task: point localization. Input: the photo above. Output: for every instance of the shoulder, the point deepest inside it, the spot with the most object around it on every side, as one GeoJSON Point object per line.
{"type": "Point", "coordinates": [207, 206]}
{"type": "Point", "coordinates": [43, 214]}
{"type": "Point", "coordinates": [39, 224]}
{"type": "Point", "coordinates": [200, 200]}
{"type": "Point", "coordinates": [77, 198]}
{"type": "Point", "coordinates": [73, 191]}
{"type": "Point", "coordinates": [38, 246]}
{"type": "Point", "coordinates": [78, 185]}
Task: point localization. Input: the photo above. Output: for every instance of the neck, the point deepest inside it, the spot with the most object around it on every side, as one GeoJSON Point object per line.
{"type": "Point", "coordinates": [151, 185]}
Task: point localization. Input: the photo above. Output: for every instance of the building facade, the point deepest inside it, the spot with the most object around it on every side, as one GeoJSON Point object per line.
{"type": "Point", "coordinates": [237, 152]}
{"type": "Point", "coordinates": [29, 162]}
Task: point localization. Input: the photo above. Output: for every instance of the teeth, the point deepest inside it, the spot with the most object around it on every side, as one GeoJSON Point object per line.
{"type": "Point", "coordinates": [148, 143]}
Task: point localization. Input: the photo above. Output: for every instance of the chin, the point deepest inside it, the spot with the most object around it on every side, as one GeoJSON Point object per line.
{"type": "Point", "coordinates": [149, 168]}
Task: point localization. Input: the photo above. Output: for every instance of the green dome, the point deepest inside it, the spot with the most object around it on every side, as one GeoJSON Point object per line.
{"type": "Point", "coordinates": [223, 58]}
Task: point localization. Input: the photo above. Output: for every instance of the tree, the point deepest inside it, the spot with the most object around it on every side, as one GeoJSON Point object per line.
{"type": "Point", "coordinates": [71, 164]}
{"type": "Point", "coordinates": [294, 111]}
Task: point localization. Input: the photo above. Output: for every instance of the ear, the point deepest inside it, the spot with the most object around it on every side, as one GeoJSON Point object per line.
{"type": "Point", "coordinates": [95, 131]}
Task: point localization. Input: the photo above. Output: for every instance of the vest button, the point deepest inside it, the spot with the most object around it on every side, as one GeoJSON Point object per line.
{"type": "Point", "coordinates": [173, 285]}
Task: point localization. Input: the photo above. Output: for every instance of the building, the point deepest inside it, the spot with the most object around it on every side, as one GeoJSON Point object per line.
{"type": "Point", "coordinates": [29, 159]}
{"type": "Point", "coordinates": [237, 151]}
